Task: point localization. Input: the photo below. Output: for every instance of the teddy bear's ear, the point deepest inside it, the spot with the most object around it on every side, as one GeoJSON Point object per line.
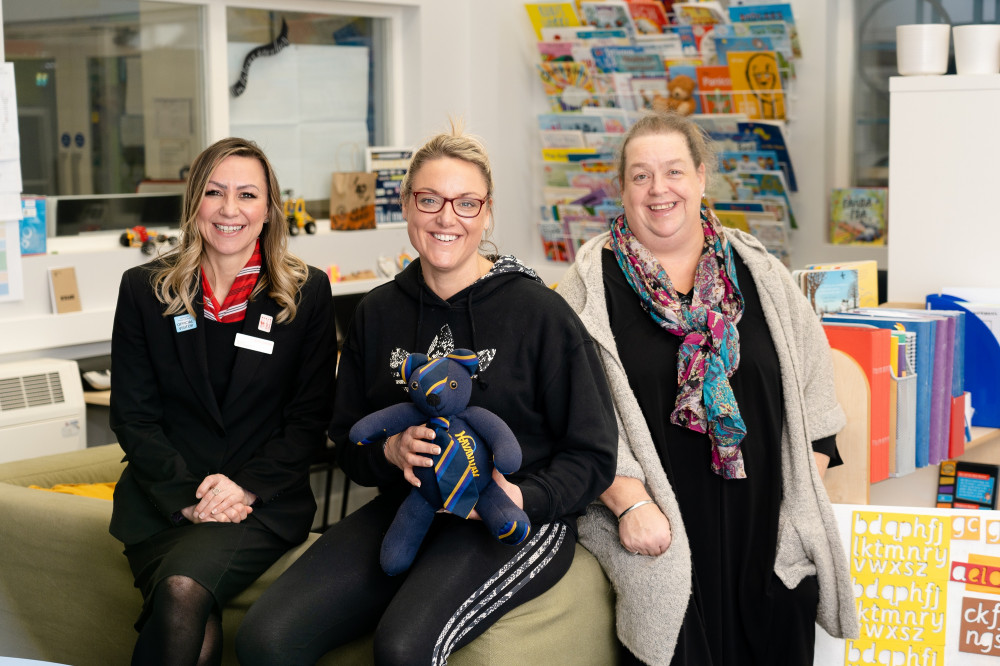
{"type": "Point", "coordinates": [466, 358]}
{"type": "Point", "coordinates": [412, 362]}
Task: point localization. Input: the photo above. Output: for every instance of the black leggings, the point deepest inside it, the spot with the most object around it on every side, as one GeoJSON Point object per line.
{"type": "Point", "coordinates": [461, 582]}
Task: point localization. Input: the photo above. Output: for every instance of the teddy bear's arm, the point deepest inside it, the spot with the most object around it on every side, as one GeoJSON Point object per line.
{"type": "Point", "coordinates": [498, 435]}
{"type": "Point", "coordinates": [386, 422]}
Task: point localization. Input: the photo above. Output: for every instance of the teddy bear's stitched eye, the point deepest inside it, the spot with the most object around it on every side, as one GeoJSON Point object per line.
{"type": "Point", "coordinates": [414, 385]}
{"type": "Point", "coordinates": [453, 384]}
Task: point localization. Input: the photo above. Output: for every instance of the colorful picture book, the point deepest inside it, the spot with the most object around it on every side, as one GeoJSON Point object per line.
{"type": "Point", "coordinates": [829, 291]}
{"type": "Point", "coordinates": [715, 88]}
{"type": "Point", "coordinates": [769, 13]}
{"type": "Point", "coordinates": [551, 14]}
{"type": "Point", "coordinates": [858, 215]}
{"type": "Point", "coordinates": [756, 81]}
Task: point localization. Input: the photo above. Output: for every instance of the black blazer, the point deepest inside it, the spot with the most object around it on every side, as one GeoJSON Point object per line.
{"type": "Point", "coordinates": [271, 423]}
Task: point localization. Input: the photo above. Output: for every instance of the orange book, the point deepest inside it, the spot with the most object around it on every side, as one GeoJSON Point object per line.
{"type": "Point", "coordinates": [715, 88]}
{"type": "Point", "coordinates": [869, 347]}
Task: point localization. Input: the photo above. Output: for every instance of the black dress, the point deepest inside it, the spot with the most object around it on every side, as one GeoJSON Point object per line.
{"type": "Point", "coordinates": [739, 612]}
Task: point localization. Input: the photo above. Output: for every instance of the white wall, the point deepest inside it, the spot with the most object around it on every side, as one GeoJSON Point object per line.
{"type": "Point", "coordinates": [482, 55]}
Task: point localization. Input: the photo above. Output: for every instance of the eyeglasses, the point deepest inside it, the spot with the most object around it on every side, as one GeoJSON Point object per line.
{"type": "Point", "coordinates": [428, 202]}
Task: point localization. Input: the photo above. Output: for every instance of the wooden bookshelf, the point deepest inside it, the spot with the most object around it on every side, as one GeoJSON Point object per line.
{"type": "Point", "coordinates": [849, 483]}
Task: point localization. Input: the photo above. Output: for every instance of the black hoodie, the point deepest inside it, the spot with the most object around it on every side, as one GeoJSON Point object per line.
{"type": "Point", "coordinates": [539, 371]}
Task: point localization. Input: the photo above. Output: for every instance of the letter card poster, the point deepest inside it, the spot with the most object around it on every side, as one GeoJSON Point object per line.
{"type": "Point", "coordinates": [926, 586]}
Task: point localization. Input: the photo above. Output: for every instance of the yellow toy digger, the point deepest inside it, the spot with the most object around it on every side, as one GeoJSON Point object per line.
{"type": "Point", "coordinates": [296, 215]}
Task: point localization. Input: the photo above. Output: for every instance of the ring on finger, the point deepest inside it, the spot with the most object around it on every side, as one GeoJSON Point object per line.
{"type": "Point", "coordinates": [216, 490]}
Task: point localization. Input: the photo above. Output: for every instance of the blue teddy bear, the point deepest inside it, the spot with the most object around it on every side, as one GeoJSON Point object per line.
{"type": "Point", "coordinates": [472, 441]}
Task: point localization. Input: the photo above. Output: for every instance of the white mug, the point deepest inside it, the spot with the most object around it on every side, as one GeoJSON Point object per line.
{"type": "Point", "coordinates": [977, 48]}
{"type": "Point", "coordinates": [922, 48]}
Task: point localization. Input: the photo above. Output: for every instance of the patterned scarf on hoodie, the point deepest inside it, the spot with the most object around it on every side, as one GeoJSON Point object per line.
{"type": "Point", "coordinates": [710, 349]}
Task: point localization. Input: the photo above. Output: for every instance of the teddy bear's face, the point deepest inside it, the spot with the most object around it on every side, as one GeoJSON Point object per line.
{"type": "Point", "coordinates": [439, 386]}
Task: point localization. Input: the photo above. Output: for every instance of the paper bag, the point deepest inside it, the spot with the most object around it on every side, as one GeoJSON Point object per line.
{"type": "Point", "coordinates": [352, 200]}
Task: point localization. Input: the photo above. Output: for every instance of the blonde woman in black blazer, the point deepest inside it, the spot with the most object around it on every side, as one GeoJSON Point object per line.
{"type": "Point", "coordinates": [223, 360]}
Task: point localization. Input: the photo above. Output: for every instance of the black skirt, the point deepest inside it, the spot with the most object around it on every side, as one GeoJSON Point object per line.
{"type": "Point", "coordinates": [221, 557]}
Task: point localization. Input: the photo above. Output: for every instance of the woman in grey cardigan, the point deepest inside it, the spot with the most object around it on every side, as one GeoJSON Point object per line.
{"type": "Point", "coordinates": [717, 533]}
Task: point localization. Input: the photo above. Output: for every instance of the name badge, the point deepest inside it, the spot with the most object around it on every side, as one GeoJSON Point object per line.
{"type": "Point", "coordinates": [184, 322]}
{"type": "Point", "coordinates": [265, 323]}
{"type": "Point", "coordinates": [254, 344]}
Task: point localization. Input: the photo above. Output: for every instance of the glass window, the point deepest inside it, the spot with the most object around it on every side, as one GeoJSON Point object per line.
{"type": "Point", "coordinates": [876, 22]}
{"type": "Point", "coordinates": [110, 95]}
{"type": "Point", "coordinates": [308, 88]}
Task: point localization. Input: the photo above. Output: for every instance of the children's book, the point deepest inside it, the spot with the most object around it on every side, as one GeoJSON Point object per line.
{"type": "Point", "coordinates": [773, 12]}
{"type": "Point", "coordinates": [723, 45]}
{"type": "Point", "coordinates": [557, 51]}
{"type": "Point", "coordinates": [715, 89]}
{"type": "Point", "coordinates": [550, 15]}
{"type": "Point", "coordinates": [775, 31]}
{"type": "Point", "coordinates": [570, 121]}
{"type": "Point", "coordinates": [649, 16]}
{"type": "Point", "coordinates": [650, 92]}
{"type": "Point", "coordinates": [867, 278]}
{"type": "Point", "coordinates": [708, 12]}
{"type": "Point", "coordinates": [608, 15]}
{"type": "Point", "coordinates": [586, 35]}
{"type": "Point", "coordinates": [748, 160]}
{"type": "Point", "coordinates": [683, 86]}
{"type": "Point", "coordinates": [834, 290]}
{"type": "Point", "coordinates": [568, 85]}
{"type": "Point", "coordinates": [559, 138]}
{"type": "Point", "coordinates": [768, 135]}
{"type": "Point", "coordinates": [685, 35]}
{"type": "Point", "coordinates": [772, 234]}
{"type": "Point", "coordinates": [757, 84]}
{"type": "Point", "coordinates": [768, 185]}
{"type": "Point", "coordinates": [858, 215]}
{"type": "Point", "coordinates": [635, 59]}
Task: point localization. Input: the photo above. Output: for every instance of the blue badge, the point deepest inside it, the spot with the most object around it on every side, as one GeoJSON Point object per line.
{"type": "Point", "coordinates": [184, 322]}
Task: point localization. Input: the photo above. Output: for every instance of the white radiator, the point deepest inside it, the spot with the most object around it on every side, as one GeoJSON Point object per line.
{"type": "Point", "coordinates": [41, 409]}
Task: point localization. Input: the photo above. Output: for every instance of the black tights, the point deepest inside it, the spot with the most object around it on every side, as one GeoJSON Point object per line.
{"type": "Point", "coordinates": [183, 627]}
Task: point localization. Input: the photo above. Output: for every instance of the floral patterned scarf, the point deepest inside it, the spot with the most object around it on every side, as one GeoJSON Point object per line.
{"type": "Point", "coordinates": [710, 352]}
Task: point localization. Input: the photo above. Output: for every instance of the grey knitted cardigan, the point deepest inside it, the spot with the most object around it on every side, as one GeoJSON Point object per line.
{"type": "Point", "coordinates": [653, 592]}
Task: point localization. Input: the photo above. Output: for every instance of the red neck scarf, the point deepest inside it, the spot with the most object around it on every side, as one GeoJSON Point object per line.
{"type": "Point", "coordinates": [235, 306]}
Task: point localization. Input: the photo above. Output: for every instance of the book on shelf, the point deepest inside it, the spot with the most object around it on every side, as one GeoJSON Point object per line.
{"type": "Point", "coordinates": [683, 89]}
{"type": "Point", "coordinates": [981, 366]}
{"type": "Point", "coordinates": [723, 45]}
{"type": "Point", "coordinates": [769, 13]}
{"type": "Point", "coordinates": [828, 290]}
{"type": "Point", "coordinates": [869, 347]}
{"type": "Point", "coordinates": [584, 122]}
{"type": "Point", "coordinates": [551, 15]}
{"type": "Point", "coordinates": [924, 362]}
{"type": "Point", "coordinates": [769, 135]}
{"type": "Point", "coordinates": [748, 160]}
{"type": "Point", "coordinates": [867, 278]}
{"type": "Point", "coordinates": [967, 485]}
{"type": "Point", "coordinates": [649, 16]}
{"type": "Point", "coordinates": [608, 15]}
{"type": "Point", "coordinates": [715, 89]}
{"type": "Point", "coordinates": [858, 215]}
{"type": "Point", "coordinates": [586, 34]}
{"type": "Point", "coordinates": [707, 12]}
{"type": "Point", "coordinates": [944, 354]}
{"type": "Point", "coordinates": [757, 87]}
{"type": "Point", "coordinates": [63, 291]}
{"type": "Point", "coordinates": [768, 186]}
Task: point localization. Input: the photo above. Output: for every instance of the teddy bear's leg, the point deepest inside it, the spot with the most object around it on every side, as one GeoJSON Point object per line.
{"type": "Point", "coordinates": [403, 539]}
{"type": "Point", "coordinates": [508, 523]}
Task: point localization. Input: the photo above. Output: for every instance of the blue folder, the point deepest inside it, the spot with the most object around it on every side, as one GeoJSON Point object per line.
{"type": "Point", "coordinates": [982, 362]}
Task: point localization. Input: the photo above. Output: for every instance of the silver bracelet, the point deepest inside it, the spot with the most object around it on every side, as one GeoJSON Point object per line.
{"type": "Point", "coordinates": [634, 506]}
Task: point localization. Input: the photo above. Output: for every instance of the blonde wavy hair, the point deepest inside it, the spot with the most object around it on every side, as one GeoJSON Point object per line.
{"type": "Point", "coordinates": [282, 274]}
{"type": "Point", "coordinates": [458, 145]}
